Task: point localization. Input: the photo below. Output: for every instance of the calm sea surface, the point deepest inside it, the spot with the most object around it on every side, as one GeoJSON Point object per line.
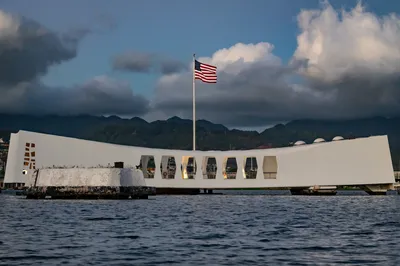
{"type": "Point", "coordinates": [202, 230]}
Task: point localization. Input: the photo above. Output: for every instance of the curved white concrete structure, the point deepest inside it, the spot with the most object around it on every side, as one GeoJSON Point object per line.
{"type": "Point", "coordinates": [363, 161]}
{"type": "Point", "coordinates": [337, 138]}
{"type": "Point", "coordinates": [299, 142]}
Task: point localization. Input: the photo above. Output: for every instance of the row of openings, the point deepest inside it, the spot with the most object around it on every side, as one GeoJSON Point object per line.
{"type": "Point", "coordinates": [189, 167]}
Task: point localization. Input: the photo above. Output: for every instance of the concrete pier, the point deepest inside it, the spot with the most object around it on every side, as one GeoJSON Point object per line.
{"type": "Point", "coordinates": [82, 192]}
{"type": "Point", "coordinates": [88, 183]}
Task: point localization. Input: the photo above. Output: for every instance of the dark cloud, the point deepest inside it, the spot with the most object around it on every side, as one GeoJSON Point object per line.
{"type": "Point", "coordinates": [133, 62]}
{"type": "Point", "coordinates": [99, 96]}
{"type": "Point", "coordinates": [171, 66]}
{"type": "Point", "coordinates": [261, 95]}
{"type": "Point", "coordinates": [255, 96]}
{"type": "Point", "coordinates": [28, 49]}
{"type": "Point", "coordinates": [146, 62]}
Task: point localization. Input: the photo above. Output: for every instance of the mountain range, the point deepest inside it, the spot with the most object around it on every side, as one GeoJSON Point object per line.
{"type": "Point", "coordinates": [176, 133]}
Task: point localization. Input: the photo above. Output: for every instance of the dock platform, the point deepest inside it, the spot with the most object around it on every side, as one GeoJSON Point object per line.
{"type": "Point", "coordinates": [81, 192]}
{"type": "Point", "coordinates": [88, 183]}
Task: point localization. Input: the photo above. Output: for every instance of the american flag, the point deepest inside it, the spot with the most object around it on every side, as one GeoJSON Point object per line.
{"type": "Point", "coordinates": [204, 72]}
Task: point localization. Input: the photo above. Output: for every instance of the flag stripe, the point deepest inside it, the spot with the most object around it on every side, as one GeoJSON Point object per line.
{"type": "Point", "coordinates": [203, 77]}
{"type": "Point", "coordinates": [205, 72]}
{"type": "Point", "coordinates": [207, 67]}
{"type": "Point", "coordinates": [206, 79]}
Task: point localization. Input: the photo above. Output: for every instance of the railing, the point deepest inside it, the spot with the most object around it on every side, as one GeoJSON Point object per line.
{"type": "Point", "coordinates": [250, 174]}
{"type": "Point", "coordinates": [169, 174]}
{"type": "Point", "coordinates": [230, 175]}
{"type": "Point", "coordinates": [210, 175]}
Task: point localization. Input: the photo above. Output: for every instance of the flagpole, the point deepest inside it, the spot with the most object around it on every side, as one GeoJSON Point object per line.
{"type": "Point", "coordinates": [194, 104]}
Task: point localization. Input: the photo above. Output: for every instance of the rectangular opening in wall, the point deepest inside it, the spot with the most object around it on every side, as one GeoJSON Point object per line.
{"type": "Point", "coordinates": [230, 168]}
{"type": "Point", "coordinates": [188, 167]}
{"type": "Point", "coordinates": [168, 167]}
{"type": "Point", "coordinates": [250, 167]}
{"type": "Point", "coordinates": [147, 165]}
{"type": "Point", "coordinates": [270, 167]}
{"type": "Point", "coordinates": [209, 167]}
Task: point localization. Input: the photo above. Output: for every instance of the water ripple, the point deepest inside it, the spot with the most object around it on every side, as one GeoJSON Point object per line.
{"type": "Point", "coordinates": [199, 230]}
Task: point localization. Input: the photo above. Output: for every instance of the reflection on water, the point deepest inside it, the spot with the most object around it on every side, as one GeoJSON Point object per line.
{"type": "Point", "coordinates": [202, 230]}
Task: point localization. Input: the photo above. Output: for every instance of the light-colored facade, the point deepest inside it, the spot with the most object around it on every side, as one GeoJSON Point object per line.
{"type": "Point", "coordinates": [362, 161]}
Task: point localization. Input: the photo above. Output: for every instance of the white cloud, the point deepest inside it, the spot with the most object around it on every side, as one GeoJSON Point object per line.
{"type": "Point", "coordinates": [346, 65]}
{"type": "Point", "coordinates": [337, 44]}
{"type": "Point", "coordinates": [232, 60]}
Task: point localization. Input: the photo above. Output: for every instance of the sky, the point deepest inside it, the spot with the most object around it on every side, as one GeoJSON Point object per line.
{"type": "Point", "coordinates": [277, 60]}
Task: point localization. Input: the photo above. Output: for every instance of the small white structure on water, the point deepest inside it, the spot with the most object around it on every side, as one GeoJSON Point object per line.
{"type": "Point", "coordinates": [362, 162]}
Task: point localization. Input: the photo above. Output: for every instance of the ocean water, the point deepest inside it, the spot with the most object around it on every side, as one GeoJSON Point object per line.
{"type": "Point", "coordinates": [239, 229]}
